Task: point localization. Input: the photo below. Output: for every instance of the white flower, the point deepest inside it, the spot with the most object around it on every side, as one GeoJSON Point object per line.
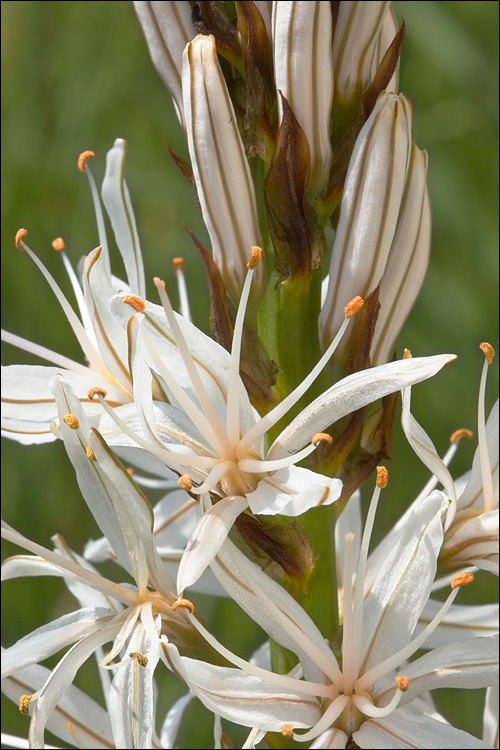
{"type": "Point", "coordinates": [27, 401]}
{"type": "Point", "coordinates": [208, 432]}
{"type": "Point", "coordinates": [362, 700]}
{"type": "Point", "coordinates": [130, 616]}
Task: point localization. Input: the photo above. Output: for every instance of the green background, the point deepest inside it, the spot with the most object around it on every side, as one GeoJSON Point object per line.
{"type": "Point", "coordinates": [76, 75]}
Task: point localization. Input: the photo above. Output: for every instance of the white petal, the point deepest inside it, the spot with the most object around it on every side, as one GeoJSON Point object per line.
{"type": "Point", "coordinates": [461, 622]}
{"type": "Point", "coordinates": [243, 698]}
{"type": "Point", "coordinates": [403, 584]}
{"type": "Point", "coordinates": [220, 167]}
{"type": "Point", "coordinates": [173, 719]}
{"type": "Point", "coordinates": [86, 717]}
{"type": "Point", "coordinates": [51, 638]}
{"type": "Point", "coordinates": [207, 539]}
{"type": "Point", "coordinates": [293, 491]}
{"type": "Point", "coordinates": [352, 393]}
{"type": "Point", "coordinates": [116, 198]}
{"type": "Point", "coordinates": [402, 729]}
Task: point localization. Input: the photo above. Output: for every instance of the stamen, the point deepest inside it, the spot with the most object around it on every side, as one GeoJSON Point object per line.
{"type": "Point", "coordinates": [101, 231]}
{"type": "Point", "coordinates": [214, 427]}
{"type": "Point", "coordinates": [488, 351]}
{"type": "Point", "coordinates": [71, 421]}
{"type": "Point", "coordinates": [234, 382]}
{"type": "Point", "coordinates": [255, 257]}
{"type": "Point", "coordinates": [461, 579]}
{"type": "Point", "coordinates": [367, 708]}
{"type": "Point", "coordinates": [19, 236]}
{"type": "Point", "coordinates": [95, 391]}
{"type": "Point", "coordinates": [24, 702]}
{"type": "Point", "coordinates": [58, 244]}
{"type": "Point", "coordinates": [165, 455]}
{"type": "Point", "coordinates": [79, 330]}
{"type": "Point", "coordinates": [382, 477]}
{"type": "Point", "coordinates": [185, 483]}
{"type": "Point", "coordinates": [456, 436]}
{"type": "Point", "coordinates": [183, 603]}
{"type": "Point", "coordinates": [214, 477]}
{"type": "Point", "coordinates": [287, 731]}
{"type": "Point", "coordinates": [402, 683]}
{"type": "Point", "coordinates": [90, 453]}
{"type": "Point", "coordinates": [348, 643]}
{"type": "Point", "coordinates": [357, 635]}
{"type": "Point", "coordinates": [407, 354]}
{"type": "Point", "coordinates": [141, 659]}
{"type": "Point", "coordinates": [44, 353]}
{"type": "Point", "coordinates": [82, 159]}
{"type": "Point", "coordinates": [135, 302]}
{"type": "Point", "coordinates": [484, 458]}
{"type": "Point", "coordinates": [392, 662]}
{"type": "Point", "coordinates": [178, 264]}
{"type": "Point", "coordinates": [353, 306]}
{"type": "Point", "coordinates": [260, 466]}
{"type": "Point", "coordinates": [272, 417]}
{"type": "Point", "coordinates": [320, 437]}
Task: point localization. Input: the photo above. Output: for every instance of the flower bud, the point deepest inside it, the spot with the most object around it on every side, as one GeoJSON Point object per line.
{"type": "Point", "coordinates": [302, 51]}
{"type": "Point", "coordinates": [370, 207]}
{"type": "Point", "coordinates": [220, 168]}
{"type": "Point", "coordinates": [167, 28]}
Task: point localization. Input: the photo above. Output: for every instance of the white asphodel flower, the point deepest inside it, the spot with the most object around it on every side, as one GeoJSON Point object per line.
{"type": "Point", "coordinates": [27, 401]}
{"type": "Point", "coordinates": [471, 526]}
{"type": "Point", "coordinates": [209, 433]}
{"type": "Point", "coordinates": [367, 693]}
{"type": "Point", "coordinates": [130, 616]}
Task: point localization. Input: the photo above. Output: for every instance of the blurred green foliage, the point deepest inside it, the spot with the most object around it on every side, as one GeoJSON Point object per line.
{"type": "Point", "coordinates": [76, 75]}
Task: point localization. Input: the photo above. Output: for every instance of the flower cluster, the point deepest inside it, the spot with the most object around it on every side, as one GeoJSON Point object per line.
{"type": "Point", "coordinates": [260, 437]}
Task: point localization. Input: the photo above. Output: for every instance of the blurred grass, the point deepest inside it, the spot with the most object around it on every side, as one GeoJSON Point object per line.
{"type": "Point", "coordinates": [76, 75]}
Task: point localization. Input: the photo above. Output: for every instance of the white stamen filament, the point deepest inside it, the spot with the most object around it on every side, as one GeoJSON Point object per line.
{"type": "Point", "coordinates": [44, 353]}
{"type": "Point", "coordinates": [183, 295]}
{"type": "Point", "coordinates": [488, 492]}
{"type": "Point", "coordinates": [165, 455]}
{"type": "Point", "coordinates": [348, 615]}
{"type": "Point", "coordinates": [88, 348]}
{"type": "Point", "coordinates": [280, 680]}
{"type": "Point", "coordinates": [272, 417]}
{"type": "Point", "coordinates": [255, 466]}
{"type": "Point", "coordinates": [357, 627]}
{"type": "Point", "coordinates": [395, 660]}
{"type": "Point", "coordinates": [101, 230]}
{"type": "Point", "coordinates": [195, 414]}
{"type": "Point", "coordinates": [193, 373]}
{"type": "Point", "coordinates": [233, 411]}
{"type": "Point", "coordinates": [213, 477]}
{"type": "Point", "coordinates": [71, 569]}
{"type": "Point", "coordinates": [331, 714]}
{"type": "Point", "coordinates": [80, 299]}
{"type": "Point", "coordinates": [368, 708]}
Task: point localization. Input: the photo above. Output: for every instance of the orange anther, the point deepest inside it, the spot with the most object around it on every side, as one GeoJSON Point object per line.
{"type": "Point", "coordinates": [382, 477]}
{"type": "Point", "coordinates": [71, 421]}
{"type": "Point", "coordinates": [141, 659]}
{"type": "Point", "coordinates": [83, 158]}
{"type": "Point", "coordinates": [19, 235]}
{"type": "Point", "coordinates": [178, 264]}
{"type": "Point", "coordinates": [184, 482]}
{"type": "Point", "coordinates": [461, 579]}
{"type": "Point", "coordinates": [459, 434]}
{"type": "Point", "coordinates": [407, 354]}
{"type": "Point", "coordinates": [129, 470]}
{"type": "Point", "coordinates": [183, 603]}
{"type": "Point", "coordinates": [96, 391]}
{"type": "Point", "coordinates": [320, 437]}
{"type": "Point", "coordinates": [135, 302]}
{"type": "Point", "coordinates": [90, 453]}
{"type": "Point", "coordinates": [24, 702]}
{"type": "Point", "coordinates": [255, 257]}
{"type": "Point", "coordinates": [488, 351]}
{"type": "Point", "coordinates": [402, 683]}
{"type": "Point", "coordinates": [352, 307]}
{"type": "Point", "coordinates": [58, 244]}
{"type": "Point", "coordinates": [287, 731]}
